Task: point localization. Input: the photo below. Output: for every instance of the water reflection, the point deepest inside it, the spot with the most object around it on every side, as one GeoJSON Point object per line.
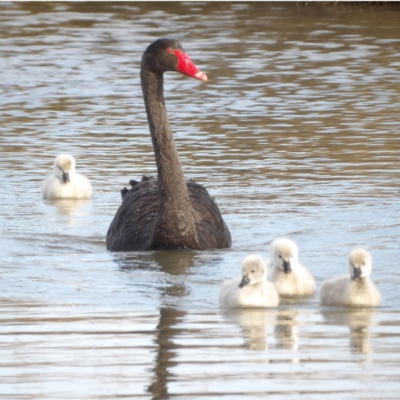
{"type": "Point", "coordinates": [175, 262]}
{"type": "Point", "coordinates": [68, 207]}
{"type": "Point", "coordinates": [287, 330]}
{"type": "Point", "coordinates": [253, 324]}
{"type": "Point", "coordinates": [44, 344]}
{"type": "Point", "coordinates": [166, 351]}
{"type": "Point", "coordinates": [167, 274]}
{"type": "Point", "coordinates": [359, 321]}
{"type": "Point", "coordinates": [296, 133]}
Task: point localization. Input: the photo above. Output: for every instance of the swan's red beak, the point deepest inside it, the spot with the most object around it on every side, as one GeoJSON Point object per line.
{"type": "Point", "coordinates": [185, 66]}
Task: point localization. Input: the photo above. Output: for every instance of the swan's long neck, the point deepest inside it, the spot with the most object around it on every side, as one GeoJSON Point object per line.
{"type": "Point", "coordinates": [175, 222]}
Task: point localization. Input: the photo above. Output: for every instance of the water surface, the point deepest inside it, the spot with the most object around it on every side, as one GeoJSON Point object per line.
{"type": "Point", "coordinates": [296, 134]}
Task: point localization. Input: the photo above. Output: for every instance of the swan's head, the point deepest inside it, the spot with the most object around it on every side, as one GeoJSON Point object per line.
{"type": "Point", "coordinates": [168, 55]}
{"type": "Point", "coordinates": [64, 166]}
{"type": "Point", "coordinates": [284, 254]}
{"type": "Point", "coordinates": [360, 264]}
{"type": "Point", "coordinates": [253, 270]}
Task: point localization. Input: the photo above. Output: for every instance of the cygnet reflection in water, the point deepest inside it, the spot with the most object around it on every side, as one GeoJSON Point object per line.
{"type": "Point", "coordinates": [254, 323]}
{"type": "Point", "coordinates": [285, 271]}
{"type": "Point", "coordinates": [69, 207]}
{"type": "Point", "coordinates": [359, 320]}
{"type": "Point", "coordinates": [287, 330]}
{"type": "Point", "coordinates": [66, 182]}
{"type": "Point", "coordinates": [252, 289]}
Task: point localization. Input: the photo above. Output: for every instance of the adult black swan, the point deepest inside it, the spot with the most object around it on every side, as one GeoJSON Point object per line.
{"type": "Point", "coordinates": [167, 212]}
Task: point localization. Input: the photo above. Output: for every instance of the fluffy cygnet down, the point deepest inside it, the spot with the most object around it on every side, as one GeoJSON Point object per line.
{"type": "Point", "coordinates": [252, 289]}
{"type": "Point", "coordinates": [354, 289]}
{"type": "Point", "coordinates": [66, 183]}
{"type": "Point", "coordinates": [285, 271]}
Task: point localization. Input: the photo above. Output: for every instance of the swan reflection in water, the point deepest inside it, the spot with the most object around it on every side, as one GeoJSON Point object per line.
{"type": "Point", "coordinates": [68, 207]}
{"type": "Point", "coordinates": [286, 331]}
{"type": "Point", "coordinates": [165, 273]}
{"type": "Point", "coordinates": [359, 321]}
{"type": "Point", "coordinates": [254, 323]}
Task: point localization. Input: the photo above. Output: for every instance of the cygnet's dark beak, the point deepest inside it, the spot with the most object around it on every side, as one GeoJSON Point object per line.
{"type": "Point", "coordinates": [65, 177]}
{"type": "Point", "coordinates": [245, 281]}
{"type": "Point", "coordinates": [357, 273]}
{"type": "Point", "coordinates": [287, 269]}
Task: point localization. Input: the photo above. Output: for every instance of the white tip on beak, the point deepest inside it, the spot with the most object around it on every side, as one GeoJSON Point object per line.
{"type": "Point", "coordinates": [201, 76]}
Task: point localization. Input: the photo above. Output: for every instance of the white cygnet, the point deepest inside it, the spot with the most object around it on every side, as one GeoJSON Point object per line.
{"type": "Point", "coordinates": [286, 272]}
{"type": "Point", "coordinates": [66, 183]}
{"type": "Point", "coordinates": [354, 289]}
{"type": "Point", "coordinates": [252, 289]}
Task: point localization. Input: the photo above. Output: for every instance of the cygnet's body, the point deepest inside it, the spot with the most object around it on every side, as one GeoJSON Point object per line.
{"type": "Point", "coordinates": [285, 271]}
{"type": "Point", "coordinates": [66, 183]}
{"type": "Point", "coordinates": [354, 289]}
{"type": "Point", "coordinates": [252, 289]}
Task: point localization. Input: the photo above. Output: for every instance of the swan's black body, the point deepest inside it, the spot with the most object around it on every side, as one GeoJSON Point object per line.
{"type": "Point", "coordinates": [133, 227]}
{"type": "Point", "coordinates": [168, 212]}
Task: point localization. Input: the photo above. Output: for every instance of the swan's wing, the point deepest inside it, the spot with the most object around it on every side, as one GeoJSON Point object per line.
{"type": "Point", "coordinates": [376, 295]}
{"type": "Point", "coordinates": [133, 224]}
{"type": "Point", "coordinates": [306, 280]}
{"type": "Point", "coordinates": [47, 187]}
{"type": "Point", "coordinates": [272, 294]}
{"type": "Point", "coordinates": [229, 293]}
{"type": "Point", "coordinates": [333, 291]}
{"type": "Point", "coordinates": [211, 229]}
{"type": "Point", "coordinates": [82, 186]}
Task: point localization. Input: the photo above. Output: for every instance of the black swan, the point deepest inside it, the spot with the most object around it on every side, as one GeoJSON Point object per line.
{"type": "Point", "coordinates": [167, 212]}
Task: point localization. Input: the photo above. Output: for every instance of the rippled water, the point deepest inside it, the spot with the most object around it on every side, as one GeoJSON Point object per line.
{"type": "Point", "coordinates": [296, 133]}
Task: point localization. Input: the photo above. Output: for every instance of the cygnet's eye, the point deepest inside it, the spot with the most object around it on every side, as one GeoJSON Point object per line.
{"type": "Point", "coordinates": [253, 271]}
{"type": "Point", "coordinates": [280, 256]}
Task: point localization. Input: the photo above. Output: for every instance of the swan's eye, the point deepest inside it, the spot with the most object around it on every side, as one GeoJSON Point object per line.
{"type": "Point", "coordinates": [253, 271]}
{"type": "Point", "coordinates": [280, 256]}
{"type": "Point", "coordinates": [169, 50]}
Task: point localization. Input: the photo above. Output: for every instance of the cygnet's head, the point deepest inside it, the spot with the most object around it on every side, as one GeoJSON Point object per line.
{"type": "Point", "coordinates": [360, 264]}
{"type": "Point", "coordinates": [253, 270]}
{"type": "Point", "coordinates": [64, 166]}
{"type": "Point", "coordinates": [284, 254]}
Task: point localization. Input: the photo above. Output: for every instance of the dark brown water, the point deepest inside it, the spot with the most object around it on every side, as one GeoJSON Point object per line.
{"type": "Point", "coordinates": [296, 133]}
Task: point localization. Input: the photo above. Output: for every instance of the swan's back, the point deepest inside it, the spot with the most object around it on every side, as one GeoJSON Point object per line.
{"type": "Point", "coordinates": [65, 183]}
{"type": "Point", "coordinates": [211, 229]}
{"type": "Point", "coordinates": [133, 227]}
{"type": "Point", "coordinates": [335, 291]}
{"type": "Point", "coordinates": [229, 293]}
{"type": "Point", "coordinates": [354, 289]}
